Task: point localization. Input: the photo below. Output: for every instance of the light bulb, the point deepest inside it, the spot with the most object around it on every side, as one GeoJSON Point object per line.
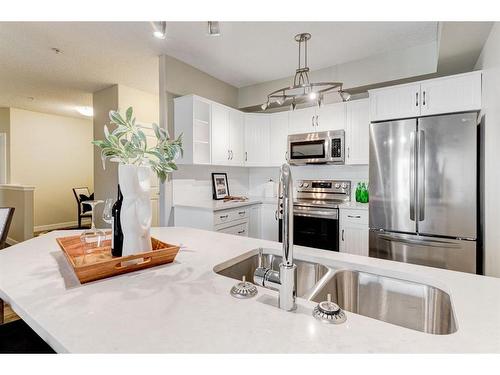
{"type": "Point", "coordinates": [264, 106]}
{"type": "Point", "coordinates": [313, 95]}
{"type": "Point", "coordinates": [159, 35]}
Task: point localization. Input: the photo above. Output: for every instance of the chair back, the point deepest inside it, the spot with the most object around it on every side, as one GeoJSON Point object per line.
{"type": "Point", "coordinates": [80, 191]}
{"type": "Point", "coordinates": [6, 214]}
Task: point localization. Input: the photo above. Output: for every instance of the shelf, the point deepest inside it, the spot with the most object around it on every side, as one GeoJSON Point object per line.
{"type": "Point", "coordinates": [203, 142]}
{"type": "Point", "coordinates": [202, 121]}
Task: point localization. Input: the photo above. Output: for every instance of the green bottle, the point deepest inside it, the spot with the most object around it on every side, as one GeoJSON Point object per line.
{"type": "Point", "coordinates": [363, 193]}
{"type": "Point", "coordinates": [358, 192]}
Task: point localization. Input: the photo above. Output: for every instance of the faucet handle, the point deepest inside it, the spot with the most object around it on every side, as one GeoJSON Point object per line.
{"type": "Point", "coordinates": [259, 258]}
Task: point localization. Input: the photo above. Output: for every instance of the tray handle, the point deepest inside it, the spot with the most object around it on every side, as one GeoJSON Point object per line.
{"type": "Point", "coordinates": [120, 266]}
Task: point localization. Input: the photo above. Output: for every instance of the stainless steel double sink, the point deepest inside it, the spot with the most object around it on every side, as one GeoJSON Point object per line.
{"type": "Point", "coordinates": [401, 302]}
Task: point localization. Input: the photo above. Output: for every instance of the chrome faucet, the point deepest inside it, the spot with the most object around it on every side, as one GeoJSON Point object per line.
{"type": "Point", "coordinates": [283, 280]}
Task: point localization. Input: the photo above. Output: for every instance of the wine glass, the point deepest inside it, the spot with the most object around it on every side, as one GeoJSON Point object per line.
{"type": "Point", "coordinates": [92, 238]}
{"type": "Point", "coordinates": [107, 213]}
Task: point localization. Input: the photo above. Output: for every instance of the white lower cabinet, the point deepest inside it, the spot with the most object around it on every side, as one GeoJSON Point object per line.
{"type": "Point", "coordinates": [240, 229]}
{"type": "Point", "coordinates": [353, 231]}
{"type": "Point", "coordinates": [269, 222]}
{"type": "Point", "coordinates": [254, 221]}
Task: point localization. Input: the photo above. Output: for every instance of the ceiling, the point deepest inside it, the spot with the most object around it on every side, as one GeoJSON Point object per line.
{"type": "Point", "coordinates": [96, 55]}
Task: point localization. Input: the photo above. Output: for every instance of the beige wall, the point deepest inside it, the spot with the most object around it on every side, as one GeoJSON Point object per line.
{"type": "Point", "coordinates": [183, 79]}
{"type": "Point", "coordinates": [5, 128]}
{"type": "Point", "coordinates": [489, 61]}
{"type": "Point", "coordinates": [54, 154]}
{"type": "Point", "coordinates": [146, 110]}
{"type": "Point", "coordinates": [392, 66]}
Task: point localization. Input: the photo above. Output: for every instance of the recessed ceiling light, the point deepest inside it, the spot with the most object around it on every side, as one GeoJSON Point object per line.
{"type": "Point", "coordinates": [213, 28]}
{"type": "Point", "coordinates": [161, 32]}
{"type": "Point", "coordinates": [85, 111]}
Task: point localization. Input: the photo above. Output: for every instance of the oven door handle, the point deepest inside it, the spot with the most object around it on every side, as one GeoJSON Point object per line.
{"type": "Point", "coordinates": [320, 214]}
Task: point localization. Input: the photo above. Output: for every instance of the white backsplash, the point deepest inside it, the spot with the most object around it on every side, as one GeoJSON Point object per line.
{"type": "Point", "coordinates": [194, 182]}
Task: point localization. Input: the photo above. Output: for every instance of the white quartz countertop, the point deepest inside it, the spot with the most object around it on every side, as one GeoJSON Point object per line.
{"type": "Point", "coordinates": [186, 307]}
{"type": "Point", "coordinates": [218, 205]}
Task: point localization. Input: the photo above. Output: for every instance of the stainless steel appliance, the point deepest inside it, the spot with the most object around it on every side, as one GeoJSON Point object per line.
{"type": "Point", "coordinates": [316, 213]}
{"type": "Point", "coordinates": [423, 191]}
{"type": "Point", "coordinates": [316, 148]}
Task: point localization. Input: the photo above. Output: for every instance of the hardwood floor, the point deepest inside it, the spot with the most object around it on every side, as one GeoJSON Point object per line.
{"type": "Point", "coordinates": [9, 315]}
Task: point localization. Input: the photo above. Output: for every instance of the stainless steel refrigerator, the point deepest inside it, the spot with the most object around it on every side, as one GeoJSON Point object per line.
{"type": "Point", "coordinates": [423, 191]}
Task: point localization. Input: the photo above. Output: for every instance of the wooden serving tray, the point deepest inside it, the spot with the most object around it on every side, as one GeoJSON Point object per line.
{"type": "Point", "coordinates": [100, 264]}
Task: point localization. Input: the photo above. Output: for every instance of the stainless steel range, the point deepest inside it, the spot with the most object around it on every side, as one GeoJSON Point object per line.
{"type": "Point", "coordinates": [316, 212]}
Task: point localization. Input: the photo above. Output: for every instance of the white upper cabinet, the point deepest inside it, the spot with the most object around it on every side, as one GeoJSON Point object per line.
{"type": "Point", "coordinates": [302, 121]}
{"type": "Point", "coordinates": [221, 154]}
{"type": "Point", "coordinates": [451, 94]}
{"type": "Point", "coordinates": [330, 117]}
{"type": "Point", "coordinates": [236, 137]}
{"type": "Point", "coordinates": [192, 119]}
{"type": "Point", "coordinates": [457, 93]}
{"type": "Point", "coordinates": [257, 139]}
{"type": "Point", "coordinates": [278, 134]}
{"type": "Point", "coordinates": [395, 102]}
{"type": "Point", "coordinates": [357, 132]}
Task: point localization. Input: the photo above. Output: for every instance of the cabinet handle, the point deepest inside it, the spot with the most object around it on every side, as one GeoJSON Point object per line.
{"type": "Point", "coordinates": [228, 155]}
{"type": "Point", "coordinates": [276, 215]}
{"type": "Point", "coordinates": [423, 99]}
{"type": "Point", "coordinates": [354, 216]}
{"type": "Point", "coordinates": [342, 235]}
{"type": "Point", "coordinates": [223, 216]}
{"type": "Point", "coordinates": [241, 212]}
{"type": "Point", "coordinates": [317, 120]}
{"type": "Point", "coordinates": [348, 152]}
{"type": "Point", "coordinates": [241, 231]}
{"type": "Point", "coordinates": [246, 156]}
{"type": "Point", "coordinates": [312, 121]}
{"type": "Point", "coordinates": [416, 101]}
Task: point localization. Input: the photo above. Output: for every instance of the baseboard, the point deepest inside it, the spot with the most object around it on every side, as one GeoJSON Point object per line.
{"type": "Point", "coordinates": [11, 241]}
{"type": "Point", "coordinates": [69, 224]}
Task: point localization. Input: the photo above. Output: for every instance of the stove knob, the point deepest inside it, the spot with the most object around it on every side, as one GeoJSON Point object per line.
{"type": "Point", "coordinates": [344, 185]}
{"type": "Point", "coordinates": [301, 185]}
{"type": "Point", "coordinates": [306, 185]}
{"type": "Point", "coordinates": [337, 185]}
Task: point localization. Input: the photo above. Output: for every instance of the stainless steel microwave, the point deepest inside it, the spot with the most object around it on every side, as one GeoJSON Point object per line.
{"type": "Point", "coordinates": [316, 148]}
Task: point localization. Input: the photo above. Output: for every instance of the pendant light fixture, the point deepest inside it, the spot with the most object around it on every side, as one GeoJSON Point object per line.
{"type": "Point", "coordinates": [303, 90]}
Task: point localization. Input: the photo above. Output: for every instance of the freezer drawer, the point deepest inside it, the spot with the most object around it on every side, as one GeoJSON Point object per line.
{"type": "Point", "coordinates": [445, 253]}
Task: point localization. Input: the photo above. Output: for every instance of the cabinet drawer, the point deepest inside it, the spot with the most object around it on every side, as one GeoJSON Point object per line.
{"type": "Point", "coordinates": [238, 229]}
{"type": "Point", "coordinates": [226, 216]}
{"type": "Point", "coordinates": [354, 216]}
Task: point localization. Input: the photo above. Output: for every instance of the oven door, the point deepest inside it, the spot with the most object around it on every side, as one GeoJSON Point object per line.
{"type": "Point", "coordinates": [315, 227]}
{"type": "Point", "coordinates": [308, 151]}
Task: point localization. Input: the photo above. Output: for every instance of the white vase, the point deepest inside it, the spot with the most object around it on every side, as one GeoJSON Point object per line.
{"type": "Point", "coordinates": [135, 215]}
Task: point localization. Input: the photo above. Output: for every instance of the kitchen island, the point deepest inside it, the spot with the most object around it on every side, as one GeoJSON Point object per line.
{"type": "Point", "coordinates": [186, 307]}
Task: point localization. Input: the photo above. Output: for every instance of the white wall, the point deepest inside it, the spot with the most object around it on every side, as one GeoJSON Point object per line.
{"type": "Point", "coordinates": [54, 154]}
{"type": "Point", "coordinates": [489, 61]}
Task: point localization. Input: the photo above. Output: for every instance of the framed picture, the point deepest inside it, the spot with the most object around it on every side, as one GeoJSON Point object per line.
{"type": "Point", "coordinates": [220, 186]}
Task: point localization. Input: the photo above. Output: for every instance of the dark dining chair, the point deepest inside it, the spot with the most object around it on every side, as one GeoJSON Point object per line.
{"type": "Point", "coordinates": [18, 338]}
{"type": "Point", "coordinates": [6, 214]}
{"type": "Point", "coordinates": [82, 194]}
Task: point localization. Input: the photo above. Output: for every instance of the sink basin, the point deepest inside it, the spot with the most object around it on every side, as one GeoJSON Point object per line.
{"type": "Point", "coordinates": [308, 273]}
{"type": "Point", "coordinates": [404, 303]}
{"type": "Point", "coordinates": [408, 304]}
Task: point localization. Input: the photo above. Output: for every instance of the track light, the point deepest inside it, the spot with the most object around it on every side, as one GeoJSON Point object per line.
{"type": "Point", "coordinates": [293, 105]}
{"type": "Point", "coordinates": [161, 33]}
{"type": "Point", "coordinates": [312, 95]}
{"type": "Point", "coordinates": [264, 106]}
{"type": "Point", "coordinates": [344, 95]}
{"type": "Point", "coordinates": [213, 28]}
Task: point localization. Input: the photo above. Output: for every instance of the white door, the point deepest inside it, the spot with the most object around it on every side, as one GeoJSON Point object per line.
{"type": "Point", "coordinates": [155, 182]}
{"type": "Point", "coordinates": [302, 121]}
{"type": "Point", "coordinates": [278, 133]}
{"type": "Point", "coordinates": [354, 239]}
{"type": "Point", "coordinates": [451, 94]}
{"type": "Point", "coordinates": [331, 117]}
{"type": "Point", "coordinates": [357, 132]}
{"type": "Point", "coordinates": [237, 137]}
{"type": "Point", "coordinates": [220, 135]}
{"type": "Point", "coordinates": [269, 226]}
{"type": "Point", "coordinates": [395, 102]}
{"type": "Point", "coordinates": [257, 140]}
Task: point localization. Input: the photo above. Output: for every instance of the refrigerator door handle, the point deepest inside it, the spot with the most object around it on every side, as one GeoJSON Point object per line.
{"type": "Point", "coordinates": [412, 176]}
{"type": "Point", "coordinates": [419, 242]}
{"type": "Point", "coordinates": [421, 175]}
